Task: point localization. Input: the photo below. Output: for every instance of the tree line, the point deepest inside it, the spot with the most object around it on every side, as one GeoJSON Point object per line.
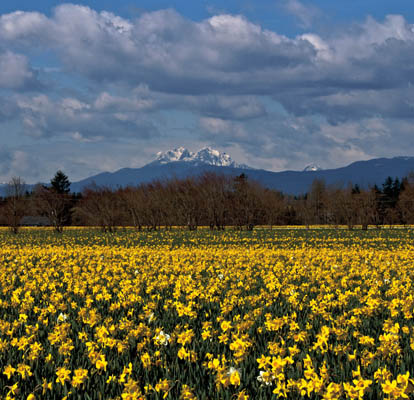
{"type": "Point", "coordinates": [212, 200]}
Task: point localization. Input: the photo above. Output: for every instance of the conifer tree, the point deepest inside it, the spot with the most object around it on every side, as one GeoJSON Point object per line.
{"type": "Point", "coordinates": [60, 183]}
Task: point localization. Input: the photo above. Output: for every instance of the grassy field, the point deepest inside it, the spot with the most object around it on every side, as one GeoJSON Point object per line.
{"type": "Point", "coordinates": [294, 313]}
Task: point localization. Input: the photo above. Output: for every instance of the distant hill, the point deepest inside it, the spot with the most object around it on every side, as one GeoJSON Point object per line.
{"type": "Point", "coordinates": [181, 163]}
{"type": "Point", "coordinates": [312, 168]}
{"type": "Point", "coordinates": [175, 165]}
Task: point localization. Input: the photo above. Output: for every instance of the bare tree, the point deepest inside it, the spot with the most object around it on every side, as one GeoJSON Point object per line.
{"type": "Point", "coordinates": [15, 208]}
{"type": "Point", "coordinates": [214, 191]}
{"type": "Point", "coordinates": [53, 205]}
{"type": "Point", "coordinates": [155, 212]}
{"type": "Point", "coordinates": [339, 206]}
{"type": "Point", "coordinates": [246, 205]}
{"type": "Point", "coordinates": [366, 210]}
{"type": "Point", "coordinates": [100, 206]}
{"type": "Point", "coordinates": [219, 200]}
{"type": "Point", "coordinates": [316, 201]}
{"type": "Point", "coordinates": [406, 200]}
{"type": "Point", "coordinates": [273, 205]}
{"type": "Point", "coordinates": [187, 199]}
{"type": "Point", "coordinates": [133, 200]}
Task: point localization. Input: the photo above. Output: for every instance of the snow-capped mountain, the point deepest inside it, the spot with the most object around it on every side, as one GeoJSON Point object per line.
{"type": "Point", "coordinates": [172, 165]}
{"type": "Point", "coordinates": [181, 163]}
{"type": "Point", "coordinates": [205, 156]}
{"type": "Point", "coordinates": [312, 168]}
{"type": "Point", "coordinates": [179, 154]}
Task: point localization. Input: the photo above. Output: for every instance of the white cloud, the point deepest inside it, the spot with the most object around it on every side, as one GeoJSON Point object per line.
{"type": "Point", "coordinates": [283, 100]}
{"type": "Point", "coordinates": [215, 125]}
{"type": "Point", "coordinates": [15, 72]}
{"type": "Point", "coordinates": [161, 49]}
{"type": "Point", "coordinates": [23, 27]}
{"type": "Point", "coordinates": [106, 101]}
{"type": "Point", "coordinates": [17, 162]}
{"type": "Point", "coordinates": [323, 51]}
{"type": "Point", "coordinates": [226, 130]}
{"type": "Point", "coordinates": [305, 13]}
{"type": "Point", "coordinates": [224, 54]}
{"type": "Point", "coordinates": [43, 117]}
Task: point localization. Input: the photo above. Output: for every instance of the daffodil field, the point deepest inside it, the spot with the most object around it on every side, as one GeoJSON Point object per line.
{"type": "Point", "coordinates": [286, 313]}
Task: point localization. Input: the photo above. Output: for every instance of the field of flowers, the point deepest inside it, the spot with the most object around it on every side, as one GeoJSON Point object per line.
{"type": "Point", "coordinates": [293, 313]}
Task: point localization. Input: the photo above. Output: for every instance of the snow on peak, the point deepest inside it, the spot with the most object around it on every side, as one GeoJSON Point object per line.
{"type": "Point", "coordinates": [312, 168]}
{"type": "Point", "coordinates": [206, 155]}
{"type": "Point", "coordinates": [179, 154]}
{"type": "Point", "coordinates": [210, 156]}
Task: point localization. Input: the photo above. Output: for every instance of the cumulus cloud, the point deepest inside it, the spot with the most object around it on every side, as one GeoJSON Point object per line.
{"type": "Point", "coordinates": [16, 162]}
{"type": "Point", "coordinates": [226, 107]}
{"type": "Point", "coordinates": [16, 73]}
{"type": "Point", "coordinates": [224, 130]}
{"type": "Point", "coordinates": [161, 49]}
{"type": "Point", "coordinates": [224, 54]}
{"type": "Point", "coordinates": [284, 100]}
{"type": "Point", "coordinates": [45, 117]}
{"type": "Point", "coordinates": [230, 107]}
{"type": "Point", "coordinates": [5, 161]}
{"type": "Point", "coordinates": [280, 143]}
{"type": "Point", "coordinates": [107, 102]}
{"type": "Point", "coordinates": [24, 28]}
{"type": "Point", "coordinates": [39, 162]}
{"type": "Point", "coordinates": [305, 13]}
{"type": "Point", "coordinates": [8, 110]}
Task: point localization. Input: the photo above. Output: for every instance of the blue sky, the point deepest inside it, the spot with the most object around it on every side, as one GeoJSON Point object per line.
{"type": "Point", "coordinates": [96, 86]}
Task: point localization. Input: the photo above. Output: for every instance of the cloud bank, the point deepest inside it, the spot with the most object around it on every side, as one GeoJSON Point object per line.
{"type": "Point", "coordinates": [281, 101]}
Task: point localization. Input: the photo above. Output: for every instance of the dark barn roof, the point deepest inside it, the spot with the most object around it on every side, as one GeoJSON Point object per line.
{"type": "Point", "coordinates": [30, 220]}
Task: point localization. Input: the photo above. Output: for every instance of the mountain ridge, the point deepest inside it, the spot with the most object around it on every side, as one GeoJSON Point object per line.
{"type": "Point", "coordinates": [312, 167]}
{"type": "Point", "coordinates": [180, 163]}
{"type": "Point", "coordinates": [364, 173]}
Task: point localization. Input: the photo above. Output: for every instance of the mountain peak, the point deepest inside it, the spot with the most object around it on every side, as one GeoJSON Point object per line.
{"type": "Point", "coordinates": [210, 156]}
{"type": "Point", "coordinates": [205, 156]}
{"type": "Point", "coordinates": [178, 154]}
{"type": "Point", "coordinates": [312, 168]}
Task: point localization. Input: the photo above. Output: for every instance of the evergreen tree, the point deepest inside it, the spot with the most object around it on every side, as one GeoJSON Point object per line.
{"type": "Point", "coordinates": [396, 189]}
{"type": "Point", "coordinates": [390, 192]}
{"type": "Point", "coordinates": [387, 188]}
{"type": "Point", "coordinates": [60, 183]}
{"type": "Point", "coordinates": [55, 201]}
{"type": "Point", "coordinates": [356, 189]}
